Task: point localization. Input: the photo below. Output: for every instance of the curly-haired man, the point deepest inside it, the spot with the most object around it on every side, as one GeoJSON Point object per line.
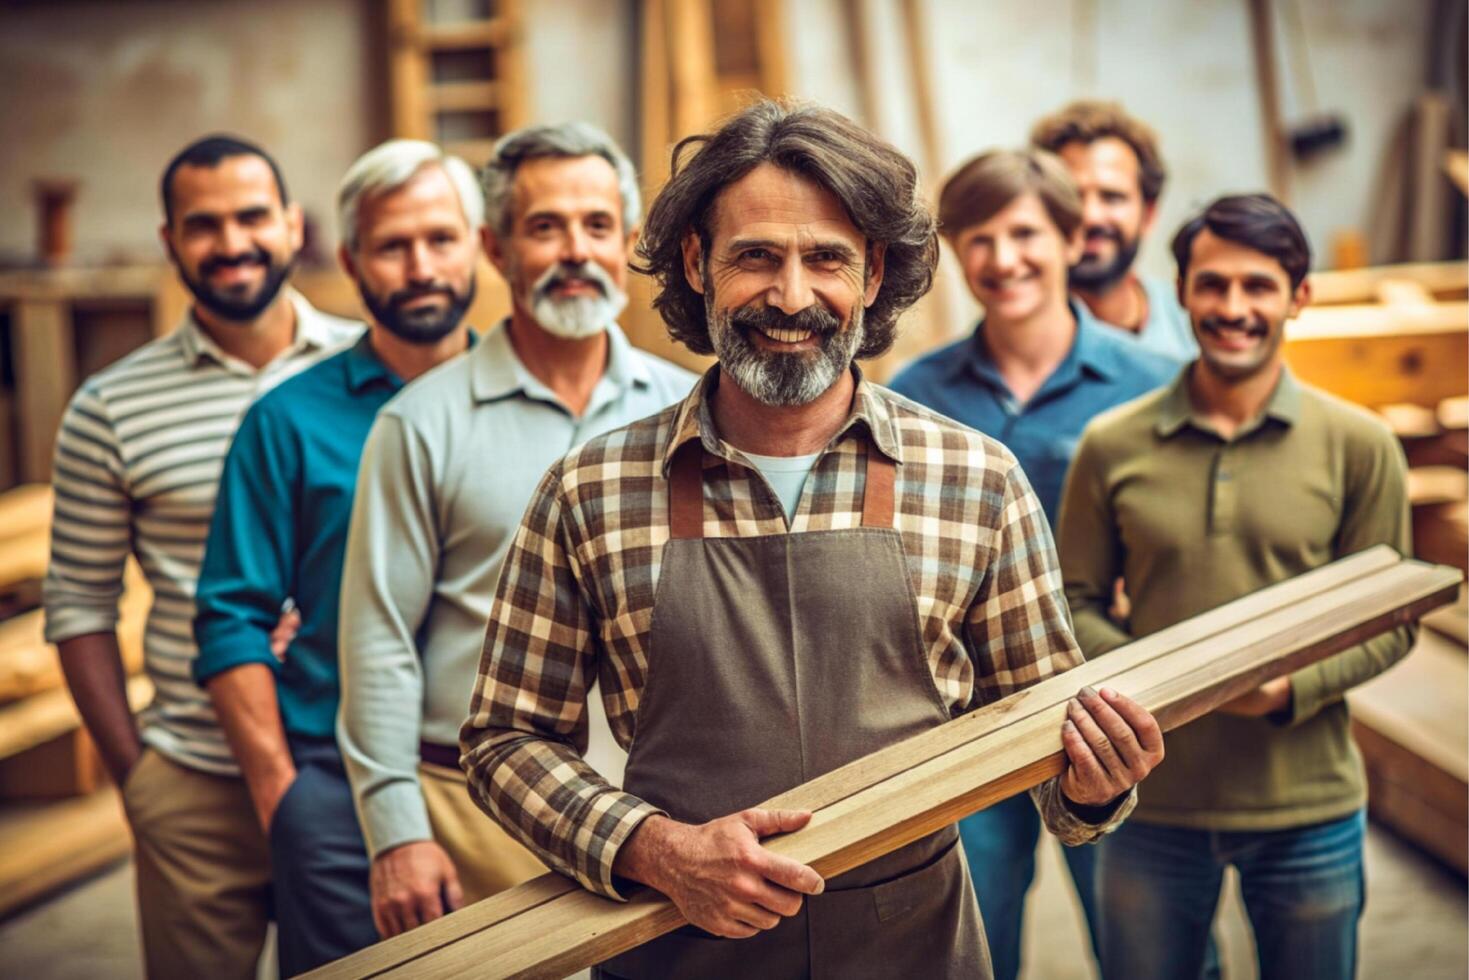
{"type": "Point", "coordinates": [789, 569]}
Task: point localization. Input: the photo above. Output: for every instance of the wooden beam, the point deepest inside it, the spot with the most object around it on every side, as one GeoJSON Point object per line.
{"type": "Point", "coordinates": [48, 846]}
{"type": "Point", "coordinates": [1272, 131]}
{"type": "Point", "coordinates": [1444, 280]}
{"type": "Point", "coordinates": [45, 377]}
{"type": "Point", "coordinates": [551, 927]}
{"type": "Point", "coordinates": [1378, 354]}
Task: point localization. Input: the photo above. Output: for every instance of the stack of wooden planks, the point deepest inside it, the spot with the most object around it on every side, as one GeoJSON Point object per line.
{"type": "Point", "coordinates": [59, 817]}
{"type": "Point", "coordinates": [550, 927]}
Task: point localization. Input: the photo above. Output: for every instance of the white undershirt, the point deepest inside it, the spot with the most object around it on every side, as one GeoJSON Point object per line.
{"type": "Point", "coordinates": [787, 476]}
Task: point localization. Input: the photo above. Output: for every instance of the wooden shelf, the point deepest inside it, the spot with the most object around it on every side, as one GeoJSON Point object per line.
{"type": "Point", "coordinates": [50, 845]}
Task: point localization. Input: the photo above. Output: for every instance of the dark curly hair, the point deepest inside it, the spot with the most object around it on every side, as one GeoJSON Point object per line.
{"type": "Point", "coordinates": [876, 184]}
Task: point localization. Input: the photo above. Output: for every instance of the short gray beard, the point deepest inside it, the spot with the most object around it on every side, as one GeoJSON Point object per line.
{"type": "Point", "coordinates": [781, 379]}
{"type": "Point", "coordinates": [576, 317]}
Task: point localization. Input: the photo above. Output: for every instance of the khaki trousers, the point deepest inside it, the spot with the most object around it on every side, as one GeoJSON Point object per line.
{"type": "Point", "coordinates": [488, 859]}
{"type": "Point", "coordinates": [203, 871]}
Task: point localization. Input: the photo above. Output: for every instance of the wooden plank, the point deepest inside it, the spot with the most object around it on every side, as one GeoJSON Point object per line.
{"type": "Point", "coordinates": [464, 96]}
{"type": "Point", "coordinates": [894, 760]}
{"type": "Point", "coordinates": [24, 510]}
{"type": "Point", "coordinates": [1378, 355]}
{"type": "Point", "coordinates": [23, 558]}
{"type": "Point", "coordinates": [1437, 485]}
{"type": "Point", "coordinates": [45, 377]}
{"type": "Point", "coordinates": [29, 665]}
{"type": "Point", "coordinates": [466, 35]}
{"type": "Point", "coordinates": [407, 71]}
{"type": "Point", "coordinates": [579, 929]}
{"type": "Point", "coordinates": [38, 719]}
{"type": "Point", "coordinates": [1412, 725]}
{"type": "Point", "coordinates": [1442, 280]}
{"type": "Point", "coordinates": [1272, 132]}
{"type": "Point", "coordinates": [48, 846]}
{"type": "Point", "coordinates": [1456, 165]}
{"type": "Point", "coordinates": [1351, 584]}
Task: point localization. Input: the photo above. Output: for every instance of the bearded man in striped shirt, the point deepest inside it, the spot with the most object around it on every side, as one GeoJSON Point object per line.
{"type": "Point", "coordinates": [137, 464]}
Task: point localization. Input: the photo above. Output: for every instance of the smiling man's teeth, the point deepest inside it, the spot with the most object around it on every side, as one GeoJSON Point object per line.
{"type": "Point", "coordinates": [786, 336]}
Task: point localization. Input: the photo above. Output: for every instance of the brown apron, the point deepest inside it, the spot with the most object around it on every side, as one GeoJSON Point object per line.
{"type": "Point", "coordinates": [773, 660]}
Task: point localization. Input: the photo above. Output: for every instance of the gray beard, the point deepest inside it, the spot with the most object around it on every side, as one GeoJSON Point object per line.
{"type": "Point", "coordinates": [576, 317]}
{"type": "Point", "coordinates": [782, 379]}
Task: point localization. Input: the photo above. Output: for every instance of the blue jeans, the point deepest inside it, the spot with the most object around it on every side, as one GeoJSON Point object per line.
{"type": "Point", "coordinates": [319, 863]}
{"type": "Point", "coordinates": [1302, 888]}
{"type": "Point", "coordinates": [999, 843]}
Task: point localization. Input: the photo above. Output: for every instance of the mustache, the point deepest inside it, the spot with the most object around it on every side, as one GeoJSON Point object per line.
{"type": "Point", "coordinates": [1254, 326]}
{"type": "Point", "coordinates": [258, 256]}
{"type": "Point", "coordinates": [1099, 233]}
{"type": "Point", "coordinates": [814, 318]}
{"type": "Point", "coordinates": [583, 272]}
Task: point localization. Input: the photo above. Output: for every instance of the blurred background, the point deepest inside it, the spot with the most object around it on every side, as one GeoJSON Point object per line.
{"type": "Point", "coordinates": [1353, 111]}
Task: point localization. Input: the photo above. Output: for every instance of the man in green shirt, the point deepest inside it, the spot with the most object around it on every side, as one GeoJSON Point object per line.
{"type": "Point", "coordinates": [1235, 477]}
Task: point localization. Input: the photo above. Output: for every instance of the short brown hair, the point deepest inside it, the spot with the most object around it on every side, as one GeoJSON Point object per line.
{"type": "Point", "coordinates": [1087, 121]}
{"type": "Point", "coordinates": [987, 184]}
{"type": "Point", "coordinates": [875, 183]}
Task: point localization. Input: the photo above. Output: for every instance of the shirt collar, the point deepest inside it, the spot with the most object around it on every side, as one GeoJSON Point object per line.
{"type": "Point", "coordinates": [1176, 409]}
{"type": "Point", "coordinates": [498, 372]}
{"type": "Point", "coordinates": [1089, 352]}
{"type": "Point", "coordinates": [313, 332]}
{"type": "Point", "coordinates": [365, 368]}
{"type": "Point", "coordinates": [695, 420]}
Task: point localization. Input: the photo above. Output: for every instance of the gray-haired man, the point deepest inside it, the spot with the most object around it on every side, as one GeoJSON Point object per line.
{"type": "Point", "coordinates": [446, 474]}
{"type": "Point", "coordinates": [409, 216]}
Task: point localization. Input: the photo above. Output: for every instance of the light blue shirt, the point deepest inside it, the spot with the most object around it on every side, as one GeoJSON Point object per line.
{"type": "Point", "coordinates": [1167, 330]}
{"type": "Point", "coordinates": [1101, 370]}
{"type": "Point", "coordinates": [447, 472]}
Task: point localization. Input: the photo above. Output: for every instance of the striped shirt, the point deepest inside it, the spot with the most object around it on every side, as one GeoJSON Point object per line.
{"type": "Point", "coordinates": [136, 469]}
{"type": "Point", "coordinates": [575, 600]}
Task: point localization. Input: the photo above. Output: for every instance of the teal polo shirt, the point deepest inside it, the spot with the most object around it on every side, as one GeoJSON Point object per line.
{"type": "Point", "coordinates": [279, 531]}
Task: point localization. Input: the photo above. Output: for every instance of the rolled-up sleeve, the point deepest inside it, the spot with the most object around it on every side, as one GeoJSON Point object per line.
{"type": "Point", "coordinates": [248, 569]}
{"type": "Point", "coordinates": [523, 742]}
{"type": "Point", "coordinates": [90, 525]}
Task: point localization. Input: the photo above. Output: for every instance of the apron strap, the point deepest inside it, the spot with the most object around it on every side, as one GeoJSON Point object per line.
{"type": "Point", "coordinates": [877, 494]}
{"type": "Point", "coordinates": [686, 492]}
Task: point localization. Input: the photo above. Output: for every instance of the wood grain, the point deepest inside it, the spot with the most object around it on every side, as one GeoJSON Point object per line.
{"type": "Point", "coordinates": [886, 800]}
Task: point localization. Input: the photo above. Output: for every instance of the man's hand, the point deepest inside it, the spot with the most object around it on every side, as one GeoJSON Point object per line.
{"type": "Point", "coordinates": [1111, 743]}
{"type": "Point", "coordinates": [285, 630]}
{"type": "Point", "coordinates": [412, 884]}
{"type": "Point", "coordinates": [1267, 699]}
{"type": "Point", "coordinates": [717, 873]}
{"type": "Point", "coordinates": [266, 792]}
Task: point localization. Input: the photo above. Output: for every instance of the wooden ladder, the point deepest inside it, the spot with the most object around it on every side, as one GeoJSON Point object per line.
{"type": "Point", "coordinates": [456, 76]}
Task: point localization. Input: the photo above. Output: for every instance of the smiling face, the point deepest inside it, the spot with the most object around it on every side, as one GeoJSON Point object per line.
{"type": "Point", "coordinates": [415, 256]}
{"type": "Point", "coordinates": [785, 281]}
{"type": "Point", "coordinates": [1114, 214]}
{"type": "Point", "coordinates": [1015, 262]}
{"type": "Point", "coordinates": [231, 238]}
{"type": "Point", "coordinates": [565, 256]}
{"type": "Point", "coordinates": [1239, 300]}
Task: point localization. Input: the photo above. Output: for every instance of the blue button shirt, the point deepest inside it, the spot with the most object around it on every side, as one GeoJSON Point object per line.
{"type": "Point", "coordinates": [1101, 370]}
{"type": "Point", "coordinates": [280, 530]}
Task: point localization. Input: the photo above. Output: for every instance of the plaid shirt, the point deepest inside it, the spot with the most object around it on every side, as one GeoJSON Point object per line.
{"type": "Point", "coordinates": [575, 601]}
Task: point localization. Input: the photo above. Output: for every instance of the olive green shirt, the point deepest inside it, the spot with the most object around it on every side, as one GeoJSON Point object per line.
{"type": "Point", "coordinates": [1191, 521]}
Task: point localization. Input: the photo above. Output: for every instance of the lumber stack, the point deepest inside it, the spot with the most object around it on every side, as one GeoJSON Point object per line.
{"type": "Point", "coordinates": [550, 927]}
{"type": "Point", "coordinates": [1412, 725]}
